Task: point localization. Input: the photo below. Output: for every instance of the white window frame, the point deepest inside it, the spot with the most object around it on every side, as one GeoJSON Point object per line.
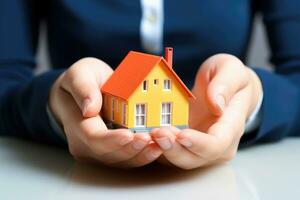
{"type": "Point", "coordinates": [156, 82]}
{"type": "Point", "coordinates": [167, 85]}
{"type": "Point", "coordinates": [124, 114]}
{"type": "Point", "coordinates": [165, 114]}
{"type": "Point", "coordinates": [138, 107]}
{"type": "Point", "coordinates": [145, 86]}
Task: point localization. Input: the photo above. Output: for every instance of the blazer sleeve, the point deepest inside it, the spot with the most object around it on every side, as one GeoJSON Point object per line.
{"type": "Point", "coordinates": [281, 103]}
{"type": "Point", "coordinates": [23, 96]}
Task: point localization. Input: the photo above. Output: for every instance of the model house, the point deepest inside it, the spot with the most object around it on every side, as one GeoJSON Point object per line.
{"type": "Point", "coordinates": [144, 92]}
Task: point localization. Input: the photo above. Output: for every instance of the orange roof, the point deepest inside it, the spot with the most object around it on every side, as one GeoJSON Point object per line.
{"type": "Point", "coordinates": [132, 71]}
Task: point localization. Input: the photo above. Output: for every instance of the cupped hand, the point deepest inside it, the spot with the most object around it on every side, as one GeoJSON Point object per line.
{"type": "Point", "coordinates": [226, 93]}
{"type": "Point", "coordinates": [75, 101]}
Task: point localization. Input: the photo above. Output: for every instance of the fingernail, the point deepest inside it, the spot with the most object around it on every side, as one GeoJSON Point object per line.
{"type": "Point", "coordinates": [164, 143]}
{"type": "Point", "coordinates": [185, 142]}
{"type": "Point", "coordinates": [125, 141]}
{"type": "Point", "coordinates": [85, 106]}
{"type": "Point", "coordinates": [139, 144]}
{"type": "Point", "coordinates": [221, 102]}
{"type": "Point", "coordinates": [152, 154]}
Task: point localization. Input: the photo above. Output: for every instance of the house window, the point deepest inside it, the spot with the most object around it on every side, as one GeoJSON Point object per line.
{"type": "Point", "coordinates": [166, 114]}
{"type": "Point", "coordinates": [155, 81]}
{"type": "Point", "coordinates": [117, 106]}
{"type": "Point", "coordinates": [107, 101]}
{"type": "Point", "coordinates": [140, 115]}
{"type": "Point", "coordinates": [144, 86]}
{"type": "Point", "coordinates": [113, 109]}
{"type": "Point", "coordinates": [124, 114]}
{"type": "Point", "coordinates": [167, 84]}
{"type": "Point", "coordinates": [104, 100]}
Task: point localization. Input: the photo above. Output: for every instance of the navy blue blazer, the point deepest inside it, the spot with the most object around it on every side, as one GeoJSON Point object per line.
{"type": "Point", "coordinates": [109, 29]}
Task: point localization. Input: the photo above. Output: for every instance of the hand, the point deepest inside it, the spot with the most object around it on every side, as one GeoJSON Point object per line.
{"type": "Point", "coordinates": [226, 93]}
{"type": "Point", "coordinates": [76, 101]}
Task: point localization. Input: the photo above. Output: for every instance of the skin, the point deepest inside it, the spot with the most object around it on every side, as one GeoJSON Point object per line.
{"type": "Point", "coordinates": [76, 101]}
{"type": "Point", "coordinates": [226, 93]}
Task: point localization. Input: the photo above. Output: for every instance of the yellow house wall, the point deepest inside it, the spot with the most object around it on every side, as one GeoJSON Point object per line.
{"type": "Point", "coordinates": [155, 96]}
{"type": "Point", "coordinates": [107, 109]}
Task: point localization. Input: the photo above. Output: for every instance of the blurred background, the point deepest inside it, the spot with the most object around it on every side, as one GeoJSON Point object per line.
{"type": "Point", "coordinates": [258, 54]}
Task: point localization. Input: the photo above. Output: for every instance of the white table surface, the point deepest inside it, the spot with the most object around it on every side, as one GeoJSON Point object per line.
{"type": "Point", "coordinates": [33, 171]}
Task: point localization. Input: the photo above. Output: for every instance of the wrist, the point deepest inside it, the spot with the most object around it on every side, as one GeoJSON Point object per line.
{"type": "Point", "coordinates": [53, 102]}
{"type": "Point", "coordinates": [57, 128]}
{"type": "Point", "coordinates": [257, 93]}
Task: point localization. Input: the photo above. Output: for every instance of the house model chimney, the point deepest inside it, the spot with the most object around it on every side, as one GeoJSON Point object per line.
{"type": "Point", "coordinates": [169, 56]}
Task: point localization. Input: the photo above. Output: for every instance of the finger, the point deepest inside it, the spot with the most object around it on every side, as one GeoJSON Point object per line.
{"type": "Point", "coordinates": [203, 145]}
{"type": "Point", "coordinates": [174, 151]}
{"type": "Point", "coordinates": [140, 141]}
{"type": "Point", "coordinates": [222, 135]}
{"type": "Point", "coordinates": [83, 81]}
{"type": "Point", "coordinates": [229, 77]}
{"type": "Point", "coordinates": [148, 155]}
{"type": "Point", "coordinates": [92, 132]}
{"type": "Point", "coordinates": [233, 119]}
{"type": "Point", "coordinates": [103, 142]}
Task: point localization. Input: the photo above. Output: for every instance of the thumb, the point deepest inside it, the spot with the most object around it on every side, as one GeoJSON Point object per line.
{"type": "Point", "coordinates": [84, 84]}
{"type": "Point", "coordinates": [228, 79]}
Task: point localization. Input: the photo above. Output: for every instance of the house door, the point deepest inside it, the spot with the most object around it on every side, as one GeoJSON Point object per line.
{"type": "Point", "coordinates": [140, 115]}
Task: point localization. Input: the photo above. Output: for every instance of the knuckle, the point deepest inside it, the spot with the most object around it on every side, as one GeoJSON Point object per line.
{"type": "Point", "coordinates": [73, 71]}
{"type": "Point", "coordinates": [233, 61]}
{"type": "Point", "coordinates": [90, 67]}
{"type": "Point", "coordinates": [93, 63]}
{"type": "Point", "coordinates": [227, 58]}
{"type": "Point", "coordinates": [85, 62]}
{"type": "Point", "coordinates": [249, 73]}
{"type": "Point", "coordinates": [68, 79]}
{"type": "Point", "coordinates": [64, 79]}
{"type": "Point", "coordinates": [59, 80]}
{"type": "Point", "coordinates": [82, 65]}
{"type": "Point", "coordinates": [74, 85]}
{"type": "Point", "coordinates": [245, 75]}
{"type": "Point", "coordinates": [90, 61]}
